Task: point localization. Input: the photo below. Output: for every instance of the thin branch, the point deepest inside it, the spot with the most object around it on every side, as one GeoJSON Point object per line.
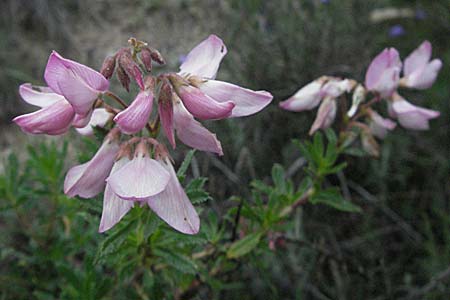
{"type": "Point", "coordinates": [116, 98]}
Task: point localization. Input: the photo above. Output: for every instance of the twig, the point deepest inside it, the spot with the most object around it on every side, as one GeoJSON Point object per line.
{"type": "Point", "coordinates": [434, 282]}
{"type": "Point", "coordinates": [415, 236]}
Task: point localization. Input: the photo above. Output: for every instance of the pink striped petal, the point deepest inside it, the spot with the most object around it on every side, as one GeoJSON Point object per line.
{"type": "Point", "coordinates": [88, 179]}
{"type": "Point", "coordinates": [38, 95]}
{"type": "Point", "coordinates": [247, 102]}
{"type": "Point", "coordinates": [325, 115]}
{"type": "Point", "coordinates": [306, 98]}
{"type": "Point", "coordinates": [135, 117]}
{"type": "Point", "coordinates": [81, 121]}
{"type": "Point", "coordinates": [114, 208]}
{"type": "Point", "coordinates": [201, 105]}
{"type": "Point", "coordinates": [173, 206]}
{"type": "Point", "coordinates": [53, 120]}
{"type": "Point", "coordinates": [204, 60]}
{"type": "Point", "coordinates": [99, 119]}
{"type": "Point", "coordinates": [139, 179]}
{"type": "Point", "coordinates": [192, 133]}
{"type": "Point", "coordinates": [79, 84]}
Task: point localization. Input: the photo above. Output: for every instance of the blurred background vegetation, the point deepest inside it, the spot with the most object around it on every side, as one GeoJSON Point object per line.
{"type": "Point", "coordinates": [399, 247]}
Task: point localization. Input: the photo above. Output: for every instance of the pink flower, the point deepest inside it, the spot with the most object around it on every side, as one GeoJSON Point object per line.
{"type": "Point", "coordinates": [135, 117]}
{"type": "Point", "coordinates": [88, 179]}
{"type": "Point", "coordinates": [310, 96]}
{"type": "Point", "coordinates": [411, 116]}
{"type": "Point", "coordinates": [114, 207]}
{"type": "Point", "coordinates": [379, 125]}
{"type": "Point", "coordinates": [172, 204]}
{"type": "Point", "coordinates": [140, 178]}
{"type": "Point", "coordinates": [55, 116]}
{"type": "Point", "coordinates": [419, 71]}
{"type": "Point", "coordinates": [99, 118]}
{"type": "Point", "coordinates": [79, 84]}
{"type": "Point", "coordinates": [191, 132]}
{"type": "Point", "coordinates": [325, 115]}
{"type": "Point", "coordinates": [198, 103]}
{"type": "Point", "coordinates": [202, 64]}
{"type": "Point", "coordinates": [383, 73]}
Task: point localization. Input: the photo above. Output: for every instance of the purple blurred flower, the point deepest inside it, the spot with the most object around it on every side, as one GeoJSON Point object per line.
{"type": "Point", "coordinates": [421, 14]}
{"type": "Point", "coordinates": [396, 31]}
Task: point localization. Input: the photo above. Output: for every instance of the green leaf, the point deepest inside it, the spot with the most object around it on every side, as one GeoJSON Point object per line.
{"type": "Point", "coordinates": [278, 177]}
{"type": "Point", "coordinates": [114, 240]}
{"type": "Point", "coordinates": [333, 198]}
{"type": "Point", "coordinates": [186, 162]}
{"type": "Point", "coordinates": [180, 262]}
{"type": "Point", "coordinates": [244, 246]}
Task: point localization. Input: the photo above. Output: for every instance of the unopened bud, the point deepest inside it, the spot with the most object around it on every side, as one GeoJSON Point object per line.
{"type": "Point", "coordinates": [165, 110]}
{"type": "Point", "coordinates": [123, 78]}
{"type": "Point", "coordinates": [359, 95]}
{"type": "Point", "coordinates": [149, 83]}
{"type": "Point", "coordinates": [130, 66]}
{"type": "Point", "coordinates": [108, 66]}
{"type": "Point", "coordinates": [146, 57]}
{"type": "Point", "coordinates": [156, 56]}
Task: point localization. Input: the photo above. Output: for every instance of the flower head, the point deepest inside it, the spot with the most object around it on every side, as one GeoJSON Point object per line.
{"type": "Point", "coordinates": [79, 84]}
{"type": "Point", "coordinates": [419, 71]}
{"type": "Point", "coordinates": [383, 73]}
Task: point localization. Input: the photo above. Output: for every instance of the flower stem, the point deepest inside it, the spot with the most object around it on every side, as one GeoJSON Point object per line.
{"type": "Point", "coordinates": [116, 98]}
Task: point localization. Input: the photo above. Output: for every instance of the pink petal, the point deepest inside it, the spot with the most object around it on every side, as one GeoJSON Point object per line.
{"type": "Point", "coordinates": [139, 179]}
{"type": "Point", "coordinates": [53, 120]}
{"type": "Point", "coordinates": [204, 60]}
{"type": "Point", "coordinates": [388, 82]}
{"type": "Point", "coordinates": [325, 115]}
{"type": "Point", "coordinates": [58, 64]}
{"type": "Point", "coordinates": [411, 116]}
{"type": "Point", "coordinates": [247, 102]}
{"type": "Point", "coordinates": [135, 117]}
{"type": "Point", "coordinates": [379, 125]}
{"type": "Point", "coordinates": [201, 105]}
{"type": "Point", "coordinates": [99, 118]}
{"type": "Point", "coordinates": [192, 133]}
{"type": "Point", "coordinates": [39, 95]}
{"type": "Point", "coordinates": [383, 73]}
{"type": "Point", "coordinates": [114, 208]}
{"type": "Point", "coordinates": [88, 179]}
{"type": "Point", "coordinates": [418, 59]}
{"type": "Point", "coordinates": [424, 78]}
{"type": "Point", "coordinates": [335, 88]}
{"type": "Point", "coordinates": [79, 84]}
{"type": "Point", "coordinates": [306, 98]}
{"type": "Point", "coordinates": [173, 206]}
{"type": "Point", "coordinates": [81, 121]}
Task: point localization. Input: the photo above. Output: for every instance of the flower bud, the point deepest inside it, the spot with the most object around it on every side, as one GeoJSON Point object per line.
{"type": "Point", "coordinates": [130, 66]}
{"type": "Point", "coordinates": [109, 64]}
{"type": "Point", "coordinates": [165, 110]}
{"type": "Point", "coordinates": [369, 144]}
{"type": "Point", "coordinates": [156, 56]}
{"type": "Point", "coordinates": [146, 57]}
{"type": "Point", "coordinates": [359, 95]}
{"type": "Point", "coordinates": [123, 77]}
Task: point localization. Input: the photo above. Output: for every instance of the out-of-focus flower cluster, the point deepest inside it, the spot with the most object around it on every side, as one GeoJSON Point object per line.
{"type": "Point", "coordinates": [133, 165]}
{"type": "Point", "coordinates": [382, 81]}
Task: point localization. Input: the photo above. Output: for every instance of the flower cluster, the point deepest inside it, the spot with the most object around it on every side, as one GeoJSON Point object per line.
{"type": "Point", "coordinates": [382, 80]}
{"type": "Point", "coordinates": [138, 169]}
